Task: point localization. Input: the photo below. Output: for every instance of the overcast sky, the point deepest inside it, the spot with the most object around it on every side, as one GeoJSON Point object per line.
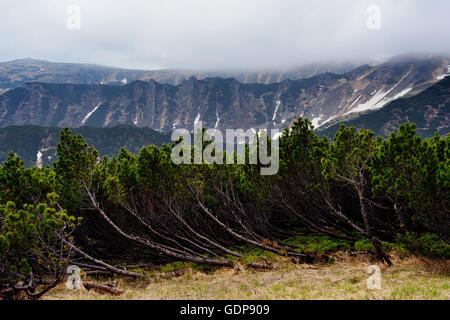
{"type": "Point", "coordinates": [220, 34]}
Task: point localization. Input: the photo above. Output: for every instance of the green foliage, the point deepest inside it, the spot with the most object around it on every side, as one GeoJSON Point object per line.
{"type": "Point", "coordinates": [348, 155]}
{"type": "Point", "coordinates": [163, 205]}
{"type": "Point", "coordinates": [76, 161]}
{"type": "Point", "coordinates": [364, 245]}
{"type": "Point", "coordinates": [405, 166]}
{"type": "Point", "coordinates": [24, 185]}
{"type": "Point", "coordinates": [413, 173]}
{"type": "Point", "coordinates": [174, 266]}
{"type": "Point", "coordinates": [31, 242]}
{"type": "Point", "coordinates": [397, 166]}
{"type": "Point", "coordinates": [319, 244]}
{"type": "Point", "coordinates": [427, 244]}
{"type": "Point", "coordinates": [255, 255]}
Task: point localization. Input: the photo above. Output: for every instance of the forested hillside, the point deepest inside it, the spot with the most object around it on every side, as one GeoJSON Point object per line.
{"type": "Point", "coordinates": [33, 143]}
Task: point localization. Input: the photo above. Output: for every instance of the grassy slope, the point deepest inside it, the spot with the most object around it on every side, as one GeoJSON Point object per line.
{"type": "Point", "coordinates": [409, 278]}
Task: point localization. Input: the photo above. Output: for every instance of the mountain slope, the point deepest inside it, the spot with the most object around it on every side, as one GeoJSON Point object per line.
{"type": "Point", "coordinates": [14, 74]}
{"type": "Point", "coordinates": [33, 142]}
{"type": "Point", "coordinates": [218, 102]}
{"type": "Point", "coordinates": [430, 110]}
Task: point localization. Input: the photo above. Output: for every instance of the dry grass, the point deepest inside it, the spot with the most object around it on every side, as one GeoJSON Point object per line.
{"type": "Point", "coordinates": [409, 278]}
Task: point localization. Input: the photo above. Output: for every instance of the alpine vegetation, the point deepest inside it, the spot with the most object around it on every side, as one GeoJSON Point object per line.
{"type": "Point", "coordinates": [158, 206]}
{"type": "Point", "coordinates": [208, 147]}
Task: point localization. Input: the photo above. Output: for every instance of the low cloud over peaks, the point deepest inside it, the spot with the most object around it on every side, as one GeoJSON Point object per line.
{"type": "Point", "coordinates": [213, 34]}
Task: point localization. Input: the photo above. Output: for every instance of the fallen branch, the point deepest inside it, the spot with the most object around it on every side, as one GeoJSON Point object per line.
{"type": "Point", "coordinates": [102, 288]}
{"type": "Point", "coordinates": [104, 265]}
{"type": "Point", "coordinates": [257, 265]}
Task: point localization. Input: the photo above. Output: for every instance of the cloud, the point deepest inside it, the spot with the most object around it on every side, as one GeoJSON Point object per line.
{"type": "Point", "coordinates": [220, 34]}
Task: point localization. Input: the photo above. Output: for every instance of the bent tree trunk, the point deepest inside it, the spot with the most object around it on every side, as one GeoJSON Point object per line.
{"type": "Point", "coordinates": [170, 252]}
{"type": "Point", "coordinates": [400, 219]}
{"type": "Point", "coordinates": [160, 247]}
{"type": "Point", "coordinates": [375, 242]}
{"type": "Point", "coordinates": [237, 236]}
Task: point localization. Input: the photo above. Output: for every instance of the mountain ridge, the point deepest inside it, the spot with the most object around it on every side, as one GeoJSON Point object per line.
{"type": "Point", "coordinates": [221, 102]}
{"type": "Point", "coordinates": [17, 72]}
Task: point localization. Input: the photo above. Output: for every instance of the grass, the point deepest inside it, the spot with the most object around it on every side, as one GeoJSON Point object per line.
{"type": "Point", "coordinates": [409, 278]}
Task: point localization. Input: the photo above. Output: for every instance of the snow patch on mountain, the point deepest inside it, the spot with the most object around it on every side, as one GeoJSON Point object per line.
{"type": "Point", "coordinates": [315, 121]}
{"type": "Point", "coordinates": [217, 121]}
{"type": "Point", "coordinates": [378, 100]}
{"type": "Point", "coordinates": [277, 105]}
{"type": "Point", "coordinates": [444, 75]}
{"type": "Point", "coordinates": [86, 118]}
{"type": "Point", "coordinates": [197, 120]}
{"type": "Point", "coordinates": [355, 101]}
{"type": "Point", "coordinates": [401, 94]}
{"type": "Point", "coordinates": [39, 159]}
{"type": "Point", "coordinates": [328, 120]}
